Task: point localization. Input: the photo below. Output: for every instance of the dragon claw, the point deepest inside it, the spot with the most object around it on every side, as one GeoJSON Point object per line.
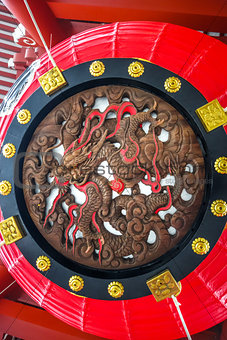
{"type": "Point", "coordinates": [88, 249]}
{"type": "Point", "coordinates": [159, 122]}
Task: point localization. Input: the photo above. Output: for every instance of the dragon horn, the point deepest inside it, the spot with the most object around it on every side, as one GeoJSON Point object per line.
{"type": "Point", "coordinates": [85, 132]}
{"type": "Point", "coordinates": [98, 146]}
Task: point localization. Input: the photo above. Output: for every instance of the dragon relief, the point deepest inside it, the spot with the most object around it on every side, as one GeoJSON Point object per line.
{"type": "Point", "coordinates": [155, 185]}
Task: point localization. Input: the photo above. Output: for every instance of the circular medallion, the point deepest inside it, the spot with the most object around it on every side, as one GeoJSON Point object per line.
{"type": "Point", "coordinates": [24, 116]}
{"type": "Point", "coordinates": [8, 150]}
{"type": "Point", "coordinates": [172, 84]}
{"type": "Point", "coordinates": [115, 289]}
{"type": "Point", "coordinates": [43, 263]}
{"type": "Point", "coordinates": [112, 179]}
{"type": "Point", "coordinates": [119, 189]}
{"type": "Point", "coordinates": [219, 208]}
{"type": "Point", "coordinates": [220, 165]}
{"type": "Point", "coordinates": [76, 283]}
{"type": "Point", "coordinates": [5, 188]}
{"type": "Point", "coordinates": [136, 69]}
{"type": "Point", "coordinates": [97, 68]}
{"type": "Point", "coordinates": [200, 246]}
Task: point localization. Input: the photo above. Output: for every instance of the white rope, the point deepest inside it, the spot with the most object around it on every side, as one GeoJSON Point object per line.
{"type": "Point", "coordinates": [7, 287]}
{"type": "Point", "coordinates": [39, 32]}
{"type": "Point", "coordinates": [177, 304]}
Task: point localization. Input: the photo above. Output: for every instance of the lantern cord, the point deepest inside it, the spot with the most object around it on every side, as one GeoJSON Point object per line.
{"type": "Point", "coordinates": [7, 287]}
{"type": "Point", "coordinates": [177, 304]}
{"type": "Point", "coordinates": [39, 32]}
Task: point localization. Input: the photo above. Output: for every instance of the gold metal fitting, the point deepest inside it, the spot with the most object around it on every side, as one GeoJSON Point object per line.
{"type": "Point", "coordinates": [220, 165]}
{"type": "Point", "coordinates": [43, 263]}
{"type": "Point", "coordinates": [97, 68]}
{"type": "Point", "coordinates": [172, 84]}
{"type": "Point", "coordinates": [219, 208]}
{"type": "Point", "coordinates": [52, 81]}
{"type": "Point", "coordinates": [200, 246]}
{"type": "Point", "coordinates": [24, 116]}
{"type": "Point", "coordinates": [76, 283]}
{"type": "Point", "coordinates": [8, 150]}
{"type": "Point", "coordinates": [163, 286]}
{"type": "Point", "coordinates": [148, 61]}
{"type": "Point", "coordinates": [116, 289]}
{"type": "Point", "coordinates": [5, 188]}
{"type": "Point", "coordinates": [11, 230]}
{"type": "Point", "coordinates": [135, 69]}
{"type": "Point", "coordinates": [212, 115]}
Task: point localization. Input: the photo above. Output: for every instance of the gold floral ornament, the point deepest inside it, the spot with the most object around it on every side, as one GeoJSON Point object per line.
{"type": "Point", "coordinates": [5, 188]}
{"type": "Point", "coordinates": [172, 84]}
{"type": "Point", "coordinates": [43, 263]}
{"type": "Point", "coordinates": [219, 208]}
{"type": "Point", "coordinates": [11, 230]}
{"type": "Point", "coordinates": [212, 115]}
{"type": "Point", "coordinates": [135, 69]}
{"type": "Point", "coordinates": [220, 165]}
{"type": "Point", "coordinates": [8, 150]}
{"type": "Point", "coordinates": [115, 289]}
{"type": "Point", "coordinates": [163, 286]}
{"type": "Point", "coordinates": [52, 81]}
{"type": "Point", "coordinates": [76, 283]}
{"type": "Point", "coordinates": [24, 116]}
{"type": "Point", "coordinates": [200, 246]}
{"type": "Point", "coordinates": [97, 68]}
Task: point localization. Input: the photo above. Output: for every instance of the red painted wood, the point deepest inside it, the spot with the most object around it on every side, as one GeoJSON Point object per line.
{"type": "Point", "coordinates": [206, 15]}
{"type": "Point", "coordinates": [47, 22]}
{"type": "Point", "coordinates": [6, 37]}
{"type": "Point", "coordinates": [7, 28]}
{"type": "Point", "coordinates": [4, 64]}
{"type": "Point", "coordinates": [5, 280]}
{"type": "Point", "coordinates": [8, 84]}
{"type": "Point", "coordinates": [9, 75]}
{"type": "Point", "coordinates": [6, 55]}
{"type": "Point", "coordinates": [8, 47]}
{"type": "Point", "coordinates": [3, 8]}
{"type": "Point", "coordinates": [224, 331]}
{"type": "Point", "coordinates": [3, 92]}
{"type": "Point", "coordinates": [12, 20]}
{"type": "Point", "coordinates": [27, 322]}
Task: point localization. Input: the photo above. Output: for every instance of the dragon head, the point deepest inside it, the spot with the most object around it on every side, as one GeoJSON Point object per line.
{"type": "Point", "coordinates": [80, 161]}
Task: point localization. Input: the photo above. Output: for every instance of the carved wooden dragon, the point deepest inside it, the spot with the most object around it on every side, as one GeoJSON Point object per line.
{"type": "Point", "coordinates": [134, 157]}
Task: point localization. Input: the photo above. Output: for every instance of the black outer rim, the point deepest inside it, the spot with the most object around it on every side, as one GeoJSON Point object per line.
{"type": "Point", "coordinates": [181, 260]}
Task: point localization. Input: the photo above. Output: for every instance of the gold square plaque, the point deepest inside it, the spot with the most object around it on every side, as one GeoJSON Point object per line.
{"type": "Point", "coordinates": [10, 230]}
{"type": "Point", "coordinates": [212, 115]}
{"type": "Point", "coordinates": [163, 286]}
{"type": "Point", "coordinates": [52, 81]}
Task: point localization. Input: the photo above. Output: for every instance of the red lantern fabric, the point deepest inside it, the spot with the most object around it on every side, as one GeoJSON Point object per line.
{"type": "Point", "coordinates": [201, 60]}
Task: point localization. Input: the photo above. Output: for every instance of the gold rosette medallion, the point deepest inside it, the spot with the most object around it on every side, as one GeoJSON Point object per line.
{"type": "Point", "coordinates": [8, 150]}
{"type": "Point", "coordinates": [172, 84]}
{"type": "Point", "coordinates": [24, 116]}
{"type": "Point", "coordinates": [97, 68]}
{"type": "Point", "coordinates": [200, 246]}
{"type": "Point", "coordinates": [5, 188]}
{"type": "Point", "coordinates": [115, 289]}
{"type": "Point", "coordinates": [76, 283]}
{"type": "Point", "coordinates": [135, 69]}
{"type": "Point", "coordinates": [43, 263]}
